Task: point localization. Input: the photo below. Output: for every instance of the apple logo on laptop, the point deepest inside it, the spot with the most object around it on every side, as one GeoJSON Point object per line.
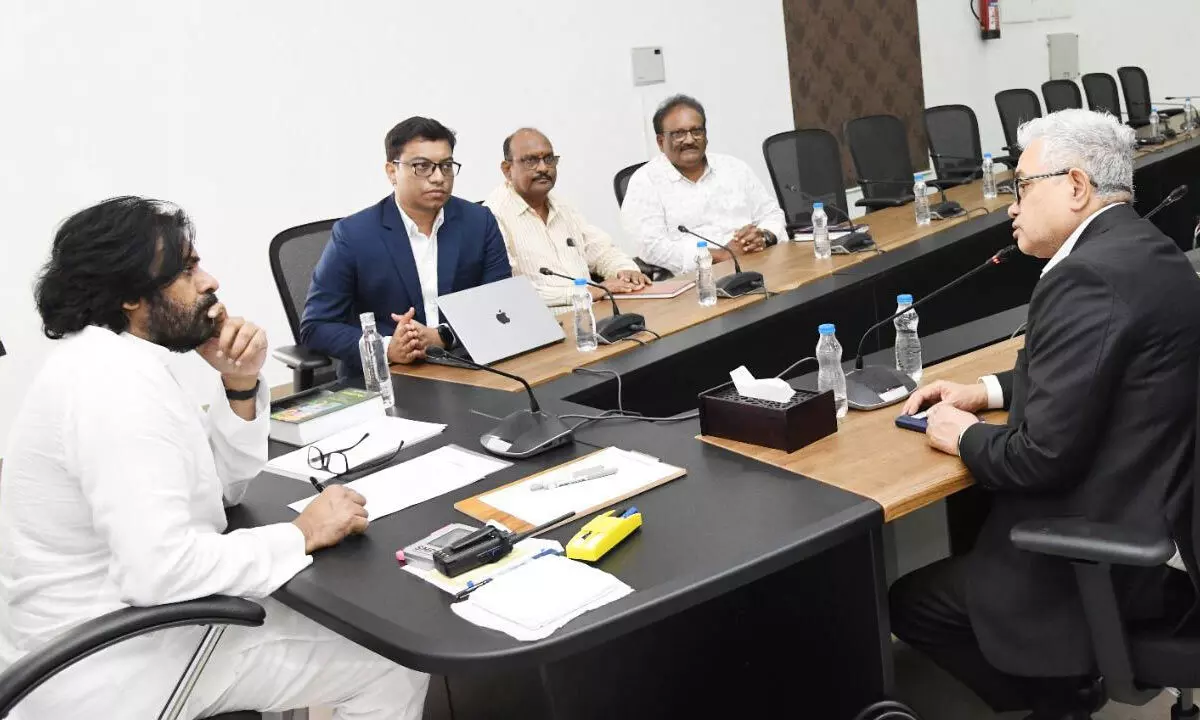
{"type": "Point", "coordinates": [502, 317]}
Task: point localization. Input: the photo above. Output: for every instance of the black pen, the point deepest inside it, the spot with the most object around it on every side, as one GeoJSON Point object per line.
{"type": "Point", "coordinates": [316, 484]}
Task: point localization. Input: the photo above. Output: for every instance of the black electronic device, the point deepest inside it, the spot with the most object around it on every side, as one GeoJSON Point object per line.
{"type": "Point", "coordinates": [878, 386]}
{"type": "Point", "coordinates": [739, 283]}
{"type": "Point", "coordinates": [524, 433]}
{"type": "Point", "coordinates": [916, 422]}
{"type": "Point", "coordinates": [617, 327]}
{"type": "Point", "coordinates": [486, 545]}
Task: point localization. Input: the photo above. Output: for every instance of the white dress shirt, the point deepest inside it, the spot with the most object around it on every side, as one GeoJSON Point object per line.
{"type": "Point", "coordinates": [114, 494]}
{"type": "Point", "coordinates": [565, 242]}
{"type": "Point", "coordinates": [727, 196]}
{"type": "Point", "coordinates": [425, 253]}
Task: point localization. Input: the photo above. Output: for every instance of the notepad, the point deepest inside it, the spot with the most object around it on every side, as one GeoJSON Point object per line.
{"type": "Point", "coordinates": [414, 481]}
{"type": "Point", "coordinates": [635, 472]}
{"type": "Point", "coordinates": [534, 600]}
{"type": "Point", "coordinates": [384, 435]}
{"type": "Point", "coordinates": [834, 235]}
{"type": "Point", "coordinates": [662, 290]}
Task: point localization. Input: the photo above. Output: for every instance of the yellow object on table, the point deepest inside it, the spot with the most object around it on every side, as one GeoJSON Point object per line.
{"type": "Point", "coordinates": [602, 533]}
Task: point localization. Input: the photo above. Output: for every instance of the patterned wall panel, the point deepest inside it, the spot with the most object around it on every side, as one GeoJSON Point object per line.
{"type": "Point", "coordinates": [850, 58]}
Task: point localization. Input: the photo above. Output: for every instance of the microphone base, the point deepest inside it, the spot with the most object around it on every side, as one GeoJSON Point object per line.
{"type": "Point", "coordinates": [619, 327]}
{"type": "Point", "coordinates": [526, 433]}
{"type": "Point", "coordinates": [948, 209]}
{"type": "Point", "coordinates": [877, 386]}
{"type": "Point", "coordinates": [739, 283]}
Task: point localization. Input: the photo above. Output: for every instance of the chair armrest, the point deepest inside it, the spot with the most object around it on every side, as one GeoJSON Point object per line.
{"type": "Point", "coordinates": [876, 203]}
{"type": "Point", "coordinates": [26, 674]}
{"type": "Point", "coordinates": [298, 357]}
{"type": "Point", "coordinates": [1084, 541]}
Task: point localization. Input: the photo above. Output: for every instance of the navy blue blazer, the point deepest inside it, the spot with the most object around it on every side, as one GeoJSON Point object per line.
{"type": "Point", "coordinates": [368, 266]}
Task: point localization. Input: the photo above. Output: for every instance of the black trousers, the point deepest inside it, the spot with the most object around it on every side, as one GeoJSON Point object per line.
{"type": "Point", "coordinates": [929, 612]}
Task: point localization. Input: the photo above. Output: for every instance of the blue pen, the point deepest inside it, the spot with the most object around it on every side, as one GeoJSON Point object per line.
{"type": "Point", "coordinates": [629, 513]}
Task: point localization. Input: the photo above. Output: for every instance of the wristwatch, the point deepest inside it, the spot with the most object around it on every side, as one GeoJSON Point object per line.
{"type": "Point", "coordinates": [446, 335]}
{"type": "Point", "coordinates": [243, 394]}
{"type": "Point", "coordinates": [769, 238]}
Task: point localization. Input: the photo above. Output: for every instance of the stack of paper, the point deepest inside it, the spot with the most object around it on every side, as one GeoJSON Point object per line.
{"type": "Point", "coordinates": [384, 435]}
{"type": "Point", "coordinates": [539, 597]}
{"type": "Point", "coordinates": [415, 481]}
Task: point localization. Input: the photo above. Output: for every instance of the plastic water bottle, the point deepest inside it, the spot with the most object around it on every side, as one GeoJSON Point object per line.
{"type": "Point", "coordinates": [706, 285]}
{"type": "Point", "coordinates": [1155, 125]}
{"type": "Point", "coordinates": [989, 178]}
{"type": "Point", "coordinates": [908, 345]}
{"type": "Point", "coordinates": [1189, 116]}
{"type": "Point", "coordinates": [920, 201]}
{"type": "Point", "coordinates": [376, 375]}
{"type": "Point", "coordinates": [830, 375]}
{"type": "Point", "coordinates": [585, 319]}
{"type": "Point", "coordinates": [820, 225]}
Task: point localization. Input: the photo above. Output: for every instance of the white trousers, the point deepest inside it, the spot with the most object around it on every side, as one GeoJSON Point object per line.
{"type": "Point", "coordinates": [291, 662]}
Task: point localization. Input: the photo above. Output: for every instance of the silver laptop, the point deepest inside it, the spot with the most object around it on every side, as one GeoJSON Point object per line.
{"type": "Point", "coordinates": [500, 319]}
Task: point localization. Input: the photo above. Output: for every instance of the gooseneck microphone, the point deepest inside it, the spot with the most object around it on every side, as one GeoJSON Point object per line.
{"type": "Point", "coordinates": [945, 209]}
{"type": "Point", "coordinates": [620, 325]}
{"type": "Point", "coordinates": [857, 237]}
{"type": "Point", "coordinates": [739, 283]}
{"type": "Point", "coordinates": [877, 386]}
{"type": "Point", "coordinates": [521, 434]}
{"type": "Point", "coordinates": [1175, 196]}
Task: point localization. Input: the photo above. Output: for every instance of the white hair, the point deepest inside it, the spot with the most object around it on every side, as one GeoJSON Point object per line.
{"type": "Point", "coordinates": [1096, 143]}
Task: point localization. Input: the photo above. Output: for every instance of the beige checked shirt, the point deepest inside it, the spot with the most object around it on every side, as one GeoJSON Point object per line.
{"type": "Point", "coordinates": [565, 243]}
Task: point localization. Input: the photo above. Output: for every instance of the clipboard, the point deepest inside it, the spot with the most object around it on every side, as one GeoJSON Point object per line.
{"type": "Point", "coordinates": [594, 499]}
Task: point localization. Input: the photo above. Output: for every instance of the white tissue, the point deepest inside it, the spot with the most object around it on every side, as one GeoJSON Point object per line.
{"type": "Point", "coordinates": [771, 389]}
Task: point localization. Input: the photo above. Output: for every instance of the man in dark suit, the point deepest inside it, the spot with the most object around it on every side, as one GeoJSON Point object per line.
{"type": "Point", "coordinates": [396, 257]}
{"type": "Point", "coordinates": [1102, 415]}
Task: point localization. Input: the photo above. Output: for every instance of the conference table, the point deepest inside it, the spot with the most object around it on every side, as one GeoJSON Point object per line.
{"type": "Point", "coordinates": [759, 577]}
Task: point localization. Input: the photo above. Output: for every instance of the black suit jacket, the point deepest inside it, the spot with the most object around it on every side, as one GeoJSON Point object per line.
{"type": "Point", "coordinates": [1102, 425]}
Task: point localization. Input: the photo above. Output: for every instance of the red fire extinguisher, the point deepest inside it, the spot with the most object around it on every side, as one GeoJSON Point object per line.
{"type": "Point", "coordinates": [989, 19]}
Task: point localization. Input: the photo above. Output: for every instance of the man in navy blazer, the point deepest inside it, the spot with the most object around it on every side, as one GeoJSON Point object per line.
{"type": "Point", "coordinates": [396, 257]}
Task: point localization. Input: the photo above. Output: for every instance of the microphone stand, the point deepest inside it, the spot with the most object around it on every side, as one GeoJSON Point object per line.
{"type": "Point", "coordinates": [739, 283]}
{"type": "Point", "coordinates": [523, 433]}
{"type": "Point", "coordinates": [1175, 196]}
{"type": "Point", "coordinates": [620, 325]}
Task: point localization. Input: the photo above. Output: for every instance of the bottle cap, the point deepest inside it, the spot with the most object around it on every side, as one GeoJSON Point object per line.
{"type": "Point", "coordinates": [701, 244]}
{"type": "Point", "coordinates": [904, 299]}
{"type": "Point", "coordinates": [367, 318]}
{"type": "Point", "coordinates": [987, 156]}
{"type": "Point", "coordinates": [826, 328]}
{"type": "Point", "coordinates": [818, 206]}
{"type": "Point", "coordinates": [916, 176]}
{"type": "Point", "coordinates": [580, 282]}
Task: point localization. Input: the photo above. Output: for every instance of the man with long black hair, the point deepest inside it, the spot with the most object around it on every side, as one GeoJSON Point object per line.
{"type": "Point", "coordinates": [115, 487]}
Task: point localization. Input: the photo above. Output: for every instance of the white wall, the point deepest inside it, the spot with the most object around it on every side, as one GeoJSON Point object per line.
{"type": "Point", "coordinates": [256, 116]}
{"type": "Point", "coordinates": [958, 67]}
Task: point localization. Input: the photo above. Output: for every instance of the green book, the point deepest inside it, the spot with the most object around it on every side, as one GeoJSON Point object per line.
{"type": "Point", "coordinates": [308, 416]}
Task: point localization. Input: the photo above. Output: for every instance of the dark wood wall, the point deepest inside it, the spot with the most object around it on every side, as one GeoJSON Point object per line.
{"type": "Point", "coordinates": [850, 58]}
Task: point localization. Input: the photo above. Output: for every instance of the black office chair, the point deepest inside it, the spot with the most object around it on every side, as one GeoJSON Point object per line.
{"type": "Point", "coordinates": [879, 148]}
{"type": "Point", "coordinates": [1135, 661]}
{"type": "Point", "coordinates": [953, 135]}
{"type": "Point", "coordinates": [1016, 106]}
{"type": "Point", "coordinates": [216, 612]}
{"type": "Point", "coordinates": [1061, 95]}
{"type": "Point", "coordinates": [621, 181]}
{"type": "Point", "coordinates": [806, 167]}
{"type": "Point", "coordinates": [294, 254]}
{"type": "Point", "coordinates": [1136, 87]}
{"type": "Point", "coordinates": [620, 184]}
{"type": "Point", "coordinates": [1101, 91]}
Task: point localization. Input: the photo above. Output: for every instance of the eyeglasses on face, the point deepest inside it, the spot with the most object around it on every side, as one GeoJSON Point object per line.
{"type": "Point", "coordinates": [699, 133]}
{"type": "Point", "coordinates": [423, 168]}
{"type": "Point", "coordinates": [1020, 183]}
{"type": "Point", "coordinates": [531, 162]}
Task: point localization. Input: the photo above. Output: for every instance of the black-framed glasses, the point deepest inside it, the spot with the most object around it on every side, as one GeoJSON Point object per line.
{"type": "Point", "coordinates": [1020, 183]}
{"type": "Point", "coordinates": [337, 463]}
{"type": "Point", "coordinates": [699, 133]}
{"type": "Point", "coordinates": [531, 162]}
{"type": "Point", "coordinates": [423, 168]}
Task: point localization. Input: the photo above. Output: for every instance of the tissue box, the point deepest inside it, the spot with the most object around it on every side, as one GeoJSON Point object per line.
{"type": "Point", "coordinates": [788, 426]}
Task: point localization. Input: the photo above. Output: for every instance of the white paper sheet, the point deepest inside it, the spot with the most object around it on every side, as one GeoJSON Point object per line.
{"type": "Point", "coordinates": [535, 507]}
{"type": "Point", "coordinates": [415, 481]}
{"type": "Point", "coordinates": [521, 552]}
{"type": "Point", "coordinates": [384, 435]}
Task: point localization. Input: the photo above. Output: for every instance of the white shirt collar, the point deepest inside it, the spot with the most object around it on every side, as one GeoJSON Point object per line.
{"type": "Point", "coordinates": [1069, 245]}
{"type": "Point", "coordinates": [410, 225]}
{"type": "Point", "coordinates": [674, 175]}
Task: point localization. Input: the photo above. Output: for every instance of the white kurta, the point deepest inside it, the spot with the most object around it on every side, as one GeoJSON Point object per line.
{"type": "Point", "coordinates": [113, 494]}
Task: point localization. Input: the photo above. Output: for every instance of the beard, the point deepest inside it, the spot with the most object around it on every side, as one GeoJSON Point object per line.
{"type": "Point", "coordinates": [181, 328]}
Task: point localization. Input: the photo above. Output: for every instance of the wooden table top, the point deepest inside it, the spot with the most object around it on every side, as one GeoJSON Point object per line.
{"type": "Point", "coordinates": [785, 267]}
{"type": "Point", "coordinates": [870, 456]}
